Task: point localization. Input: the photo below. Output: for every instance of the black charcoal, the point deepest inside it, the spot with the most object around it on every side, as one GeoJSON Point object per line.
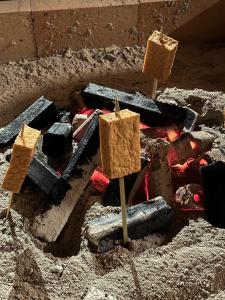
{"type": "Point", "coordinates": [57, 140]}
{"type": "Point", "coordinates": [87, 147]}
{"type": "Point", "coordinates": [152, 112]}
{"type": "Point", "coordinates": [213, 176]}
{"type": "Point", "coordinates": [38, 115]}
{"type": "Point", "coordinates": [143, 219]}
{"type": "Point", "coordinates": [47, 180]}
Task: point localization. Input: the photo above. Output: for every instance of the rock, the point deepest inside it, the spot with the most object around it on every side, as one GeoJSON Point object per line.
{"type": "Point", "coordinates": [96, 294]}
{"type": "Point", "coordinates": [57, 269]}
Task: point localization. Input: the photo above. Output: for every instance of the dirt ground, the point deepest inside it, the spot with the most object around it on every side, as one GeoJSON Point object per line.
{"type": "Point", "coordinates": [170, 265]}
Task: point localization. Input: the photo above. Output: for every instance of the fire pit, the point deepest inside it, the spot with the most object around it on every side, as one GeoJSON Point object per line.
{"type": "Point", "coordinates": [173, 159]}
{"type": "Point", "coordinates": [173, 151]}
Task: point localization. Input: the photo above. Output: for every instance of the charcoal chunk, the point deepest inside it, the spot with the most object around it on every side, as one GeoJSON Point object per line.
{"type": "Point", "coordinates": [152, 112]}
{"type": "Point", "coordinates": [47, 180]}
{"type": "Point", "coordinates": [213, 186]}
{"type": "Point", "coordinates": [87, 147]}
{"type": "Point", "coordinates": [142, 219]}
{"type": "Point", "coordinates": [38, 115]}
{"type": "Point", "coordinates": [57, 140]}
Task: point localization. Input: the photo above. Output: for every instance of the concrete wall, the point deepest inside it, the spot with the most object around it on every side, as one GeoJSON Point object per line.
{"type": "Point", "coordinates": [35, 28]}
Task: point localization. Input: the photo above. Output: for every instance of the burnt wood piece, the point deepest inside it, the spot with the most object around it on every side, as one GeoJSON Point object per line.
{"type": "Point", "coordinates": [213, 186]}
{"type": "Point", "coordinates": [47, 180]}
{"type": "Point", "coordinates": [38, 115]}
{"type": "Point", "coordinates": [87, 147]}
{"type": "Point", "coordinates": [152, 112]}
{"type": "Point", "coordinates": [143, 219]}
{"type": "Point", "coordinates": [57, 140]}
{"type": "Point", "coordinates": [80, 131]}
{"type": "Point", "coordinates": [111, 196]}
{"type": "Point", "coordinates": [49, 224]}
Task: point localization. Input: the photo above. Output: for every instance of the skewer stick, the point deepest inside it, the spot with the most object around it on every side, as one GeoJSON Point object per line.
{"type": "Point", "coordinates": [154, 89]}
{"type": "Point", "coordinates": [161, 35]}
{"type": "Point", "coordinates": [117, 107]}
{"type": "Point", "coordinates": [9, 205]}
{"type": "Point", "coordinates": [155, 81]}
{"type": "Point", "coordinates": [122, 191]}
{"type": "Point", "coordinates": [123, 210]}
{"type": "Point", "coordinates": [22, 131]}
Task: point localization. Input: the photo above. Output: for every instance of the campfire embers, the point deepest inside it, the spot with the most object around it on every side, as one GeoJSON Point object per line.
{"type": "Point", "coordinates": [175, 162]}
{"type": "Point", "coordinates": [160, 172]}
{"type": "Point", "coordinates": [190, 197]}
{"type": "Point", "coordinates": [189, 145]}
{"type": "Point", "coordinates": [189, 172]}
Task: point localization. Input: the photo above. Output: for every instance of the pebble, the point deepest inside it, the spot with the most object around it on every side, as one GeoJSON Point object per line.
{"type": "Point", "coordinates": [57, 269]}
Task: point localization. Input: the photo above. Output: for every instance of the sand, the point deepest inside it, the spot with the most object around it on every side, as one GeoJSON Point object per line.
{"type": "Point", "coordinates": [184, 262]}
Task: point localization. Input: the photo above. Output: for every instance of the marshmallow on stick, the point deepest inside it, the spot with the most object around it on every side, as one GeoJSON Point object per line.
{"type": "Point", "coordinates": [23, 151]}
{"type": "Point", "coordinates": [159, 57]}
{"type": "Point", "coordinates": [120, 143]}
{"type": "Point", "coordinates": [120, 150]}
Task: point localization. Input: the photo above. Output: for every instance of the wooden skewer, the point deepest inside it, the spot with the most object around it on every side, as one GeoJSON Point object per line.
{"type": "Point", "coordinates": [161, 34]}
{"type": "Point", "coordinates": [154, 89]}
{"type": "Point", "coordinates": [22, 129]}
{"type": "Point", "coordinates": [117, 107]}
{"type": "Point", "coordinates": [22, 132]}
{"type": "Point", "coordinates": [122, 190]}
{"type": "Point", "coordinates": [123, 209]}
{"type": "Point", "coordinates": [155, 81]}
{"type": "Point", "coordinates": [9, 205]}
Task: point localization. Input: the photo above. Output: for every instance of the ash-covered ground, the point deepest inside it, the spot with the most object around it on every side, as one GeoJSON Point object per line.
{"type": "Point", "coordinates": [186, 265]}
